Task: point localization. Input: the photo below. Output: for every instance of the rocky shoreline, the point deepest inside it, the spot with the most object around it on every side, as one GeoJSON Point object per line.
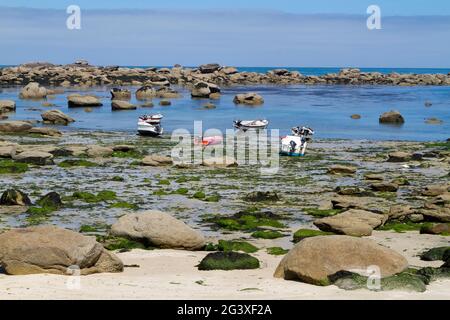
{"type": "Point", "coordinates": [355, 199]}
{"type": "Point", "coordinates": [84, 75]}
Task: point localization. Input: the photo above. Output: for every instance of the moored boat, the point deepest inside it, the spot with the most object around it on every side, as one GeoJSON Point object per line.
{"type": "Point", "coordinates": [150, 125]}
{"type": "Point", "coordinates": [250, 124]}
{"type": "Point", "coordinates": [294, 145]}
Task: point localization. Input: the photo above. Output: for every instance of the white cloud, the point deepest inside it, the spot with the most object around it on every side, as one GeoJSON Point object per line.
{"type": "Point", "coordinates": [244, 38]}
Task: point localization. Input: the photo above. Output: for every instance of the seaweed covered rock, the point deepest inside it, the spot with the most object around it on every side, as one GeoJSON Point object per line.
{"type": "Point", "coordinates": [405, 281]}
{"type": "Point", "coordinates": [314, 259]}
{"type": "Point", "coordinates": [50, 249]}
{"type": "Point", "coordinates": [158, 229]}
{"type": "Point", "coordinates": [434, 254]}
{"type": "Point", "coordinates": [14, 197]}
{"type": "Point", "coordinates": [260, 196]}
{"type": "Point", "coordinates": [228, 260]}
{"type": "Point", "coordinates": [50, 200]}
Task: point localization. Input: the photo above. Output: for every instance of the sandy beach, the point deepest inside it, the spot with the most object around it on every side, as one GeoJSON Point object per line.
{"type": "Point", "coordinates": [171, 274]}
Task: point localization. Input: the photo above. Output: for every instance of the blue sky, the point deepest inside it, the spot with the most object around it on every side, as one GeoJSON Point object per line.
{"type": "Point", "coordinates": [390, 7]}
{"type": "Point", "coordinates": [241, 33]}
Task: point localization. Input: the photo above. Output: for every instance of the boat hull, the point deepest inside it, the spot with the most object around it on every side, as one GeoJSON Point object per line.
{"type": "Point", "coordinates": [149, 133]}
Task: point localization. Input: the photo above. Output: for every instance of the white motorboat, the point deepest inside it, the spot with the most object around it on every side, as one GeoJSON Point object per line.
{"type": "Point", "coordinates": [250, 124]}
{"type": "Point", "coordinates": [150, 125]}
{"type": "Point", "coordinates": [294, 145]}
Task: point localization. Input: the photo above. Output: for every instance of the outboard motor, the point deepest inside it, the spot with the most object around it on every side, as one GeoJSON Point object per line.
{"type": "Point", "coordinates": [295, 144]}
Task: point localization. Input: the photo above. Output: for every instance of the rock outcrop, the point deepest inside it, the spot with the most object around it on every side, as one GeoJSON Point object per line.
{"type": "Point", "coordinates": [158, 229]}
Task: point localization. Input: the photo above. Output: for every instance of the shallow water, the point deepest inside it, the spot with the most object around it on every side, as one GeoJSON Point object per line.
{"type": "Point", "coordinates": [325, 108]}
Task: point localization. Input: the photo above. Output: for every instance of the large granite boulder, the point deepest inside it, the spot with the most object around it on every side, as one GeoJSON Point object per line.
{"type": "Point", "coordinates": [33, 91]}
{"type": "Point", "coordinates": [314, 259]}
{"type": "Point", "coordinates": [56, 117]}
{"type": "Point", "coordinates": [34, 157]}
{"type": "Point", "coordinates": [353, 222]}
{"type": "Point", "coordinates": [392, 117]}
{"type": "Point", "coordinates": [399, 156]}
{"type": "Point", "coordinates": [155, 160]}
{"type": "Point", "coordinates": [122, 105]}
{"type": "Point", "coordinates": [220, 162]}
{"type": "Point", "coordinates": [120, 94]}
{"type": "Point", "coordinates": [15, 126]}
{"type": "Point", "coordinates": [250, 98]}
{"type": "Point", "coordinates": [341, 169]}
{"type": "Point", "coordinates": [167, 93]}
{"type": "Point", "coordinates": [204, 90]}
{"type": "Point", "coordinates": [209, 68]}
{"type": "Point", "coordinates": [145, 93]}
{"type": "Point", "coordinates": [159, 229]}
{"type": "Point", "coordinates": [7, 106]}
{"type": "Point", "coordinates": [95, 151]}
{"type": "Point", "coordinates": [76, 100]}
{"type": "Point", "coordinates": [50, 249]}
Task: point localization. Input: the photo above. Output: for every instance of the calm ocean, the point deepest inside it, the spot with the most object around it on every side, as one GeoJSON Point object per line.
{"type": "Point", "coordinates": [326, 108]}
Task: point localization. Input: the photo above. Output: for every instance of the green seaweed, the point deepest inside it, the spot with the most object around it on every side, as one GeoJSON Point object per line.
{"type": "Point", "coordinates": [228, 261]}
{"type": "Point", "coordinates": [226, 245]}
{"type": "Point", "coordinates": [76, 163]}
{"type": "Point", "coordinates": [401, 227]}
{"type": "Point", "coordinates": [245, 222]}
{"type": "Point", "coordinates": [267, 234]}
{"type": "Point", "coordinates": [12, 167]}
{"type": "Point", "coordinates": [308, 233]}
{"type": "Point", "coordinates": [132, 154]}
{"type": "Point", "coordinates": [119, 243]}
{"type": "Point", "coordinates": [199, 195]}
{"type": "Point", "coordinates": [105, 195]}
{"type": "Point", "coordinates": [164, 182]}
{"type": "Point", "coordinates": [181, 191]}
{"type": "Point", "coordinates": [315, 212]}
{"type": "Point", "coordinates": [277, 251]}
{"type": "Point", "coordinates": [124, 205]}
{"type": "Point", "coordinates": [160, 192]}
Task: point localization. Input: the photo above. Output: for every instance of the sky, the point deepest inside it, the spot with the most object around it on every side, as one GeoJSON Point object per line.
{"type": "Point", "coordinates": [320, 33]}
